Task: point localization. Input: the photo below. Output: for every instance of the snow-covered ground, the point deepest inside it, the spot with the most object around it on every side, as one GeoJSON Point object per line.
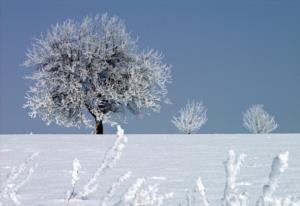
{"type": "Point", "coordinates": [173, 161]}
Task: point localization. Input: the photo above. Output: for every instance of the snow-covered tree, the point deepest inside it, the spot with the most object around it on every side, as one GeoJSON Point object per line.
{"type": "Point", "coordinates": [257, 120]}
{"type": "Point", "coordinates": [93, 70]}
{"type": "Point", "coordinates": [191, 117]}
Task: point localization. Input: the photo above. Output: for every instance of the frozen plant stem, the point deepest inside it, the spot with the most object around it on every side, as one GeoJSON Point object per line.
{"type": "Point", "coordinates": [142, 194]}
{"type": "Point", "coordinates": [12, 184]}
{"type": "Point", "coordinates": [279, 165]}
{"type": "Point", "coordinates": [75, 177]}
{"type": "Point", "coordinates": [202, 192]}
{"type": "Point", "coordinates": [109, 161]}
{"type": "Point", "coordinates": [232, 196]}
{"type": "Point", "coordinates": [114, 187]}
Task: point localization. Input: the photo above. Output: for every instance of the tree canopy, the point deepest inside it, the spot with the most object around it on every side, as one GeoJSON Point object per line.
{"type": "Point", "coordinates": [93, 68]}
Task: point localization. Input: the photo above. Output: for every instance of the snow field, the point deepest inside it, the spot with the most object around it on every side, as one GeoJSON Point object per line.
{"type": "Point", "coordinates": [173, 161]}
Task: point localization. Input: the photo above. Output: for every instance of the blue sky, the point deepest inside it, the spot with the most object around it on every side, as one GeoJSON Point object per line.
{"type": "Point", "coordinates": [230, 54]}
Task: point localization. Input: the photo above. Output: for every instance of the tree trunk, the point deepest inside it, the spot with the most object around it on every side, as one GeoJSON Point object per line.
{"type": "Point", "coordinates": [99, 127]}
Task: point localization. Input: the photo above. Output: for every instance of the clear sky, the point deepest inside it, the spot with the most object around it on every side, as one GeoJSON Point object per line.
{"type": "Point", "coordinates": [230, 54]}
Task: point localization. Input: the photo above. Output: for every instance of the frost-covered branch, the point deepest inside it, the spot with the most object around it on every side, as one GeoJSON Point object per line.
{"type": "Point", "coordinates": [191, 117]}
{"type": "Point", "coordinates": [257, 120]}
{"type": "Point", "coordinates": [142, 194]}
{"type": "Point", "coordinates": [109, 161]}
{"type": "Point", "coordinates": [15, 180]}
{"type": "Point", "coordinates": [114, 188]}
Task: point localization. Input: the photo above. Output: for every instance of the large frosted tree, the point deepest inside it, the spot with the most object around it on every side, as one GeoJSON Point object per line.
{"type": "Point", "coordinates": [258, 121]}
{"type": "Point", "coordinates": [93, 70]}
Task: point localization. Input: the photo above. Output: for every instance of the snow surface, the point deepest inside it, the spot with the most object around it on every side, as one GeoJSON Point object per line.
{"type": "Point", "coordinates": [173, 161]}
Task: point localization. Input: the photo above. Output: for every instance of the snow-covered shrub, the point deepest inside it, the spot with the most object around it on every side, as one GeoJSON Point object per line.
{"type": "Point", "coordinates": [257, 120]}
{"type": "Point", "coordinates": [93, 66]}
{"type": "Point", "coordinates": [191, 117]}
{"type": "Point", "coordinates": [15, 180]}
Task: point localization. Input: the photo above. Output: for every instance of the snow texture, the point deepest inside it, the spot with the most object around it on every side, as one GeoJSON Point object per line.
{"type": "Point", "coordinates": [172, 162]}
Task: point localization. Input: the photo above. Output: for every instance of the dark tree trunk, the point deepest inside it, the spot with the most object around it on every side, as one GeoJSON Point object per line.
{"type": "Point", "coordinates": [99, 123]}
{"type": "Point", "coordinates": [99, 127]}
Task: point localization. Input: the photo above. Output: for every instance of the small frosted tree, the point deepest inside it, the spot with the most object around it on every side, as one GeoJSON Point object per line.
{"type": "Point", "coordinates": [93, 70]}
{"type": "Point", "coordinates": [191, 118]}
{"type": "Point", "coordinates": [257, 120]}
